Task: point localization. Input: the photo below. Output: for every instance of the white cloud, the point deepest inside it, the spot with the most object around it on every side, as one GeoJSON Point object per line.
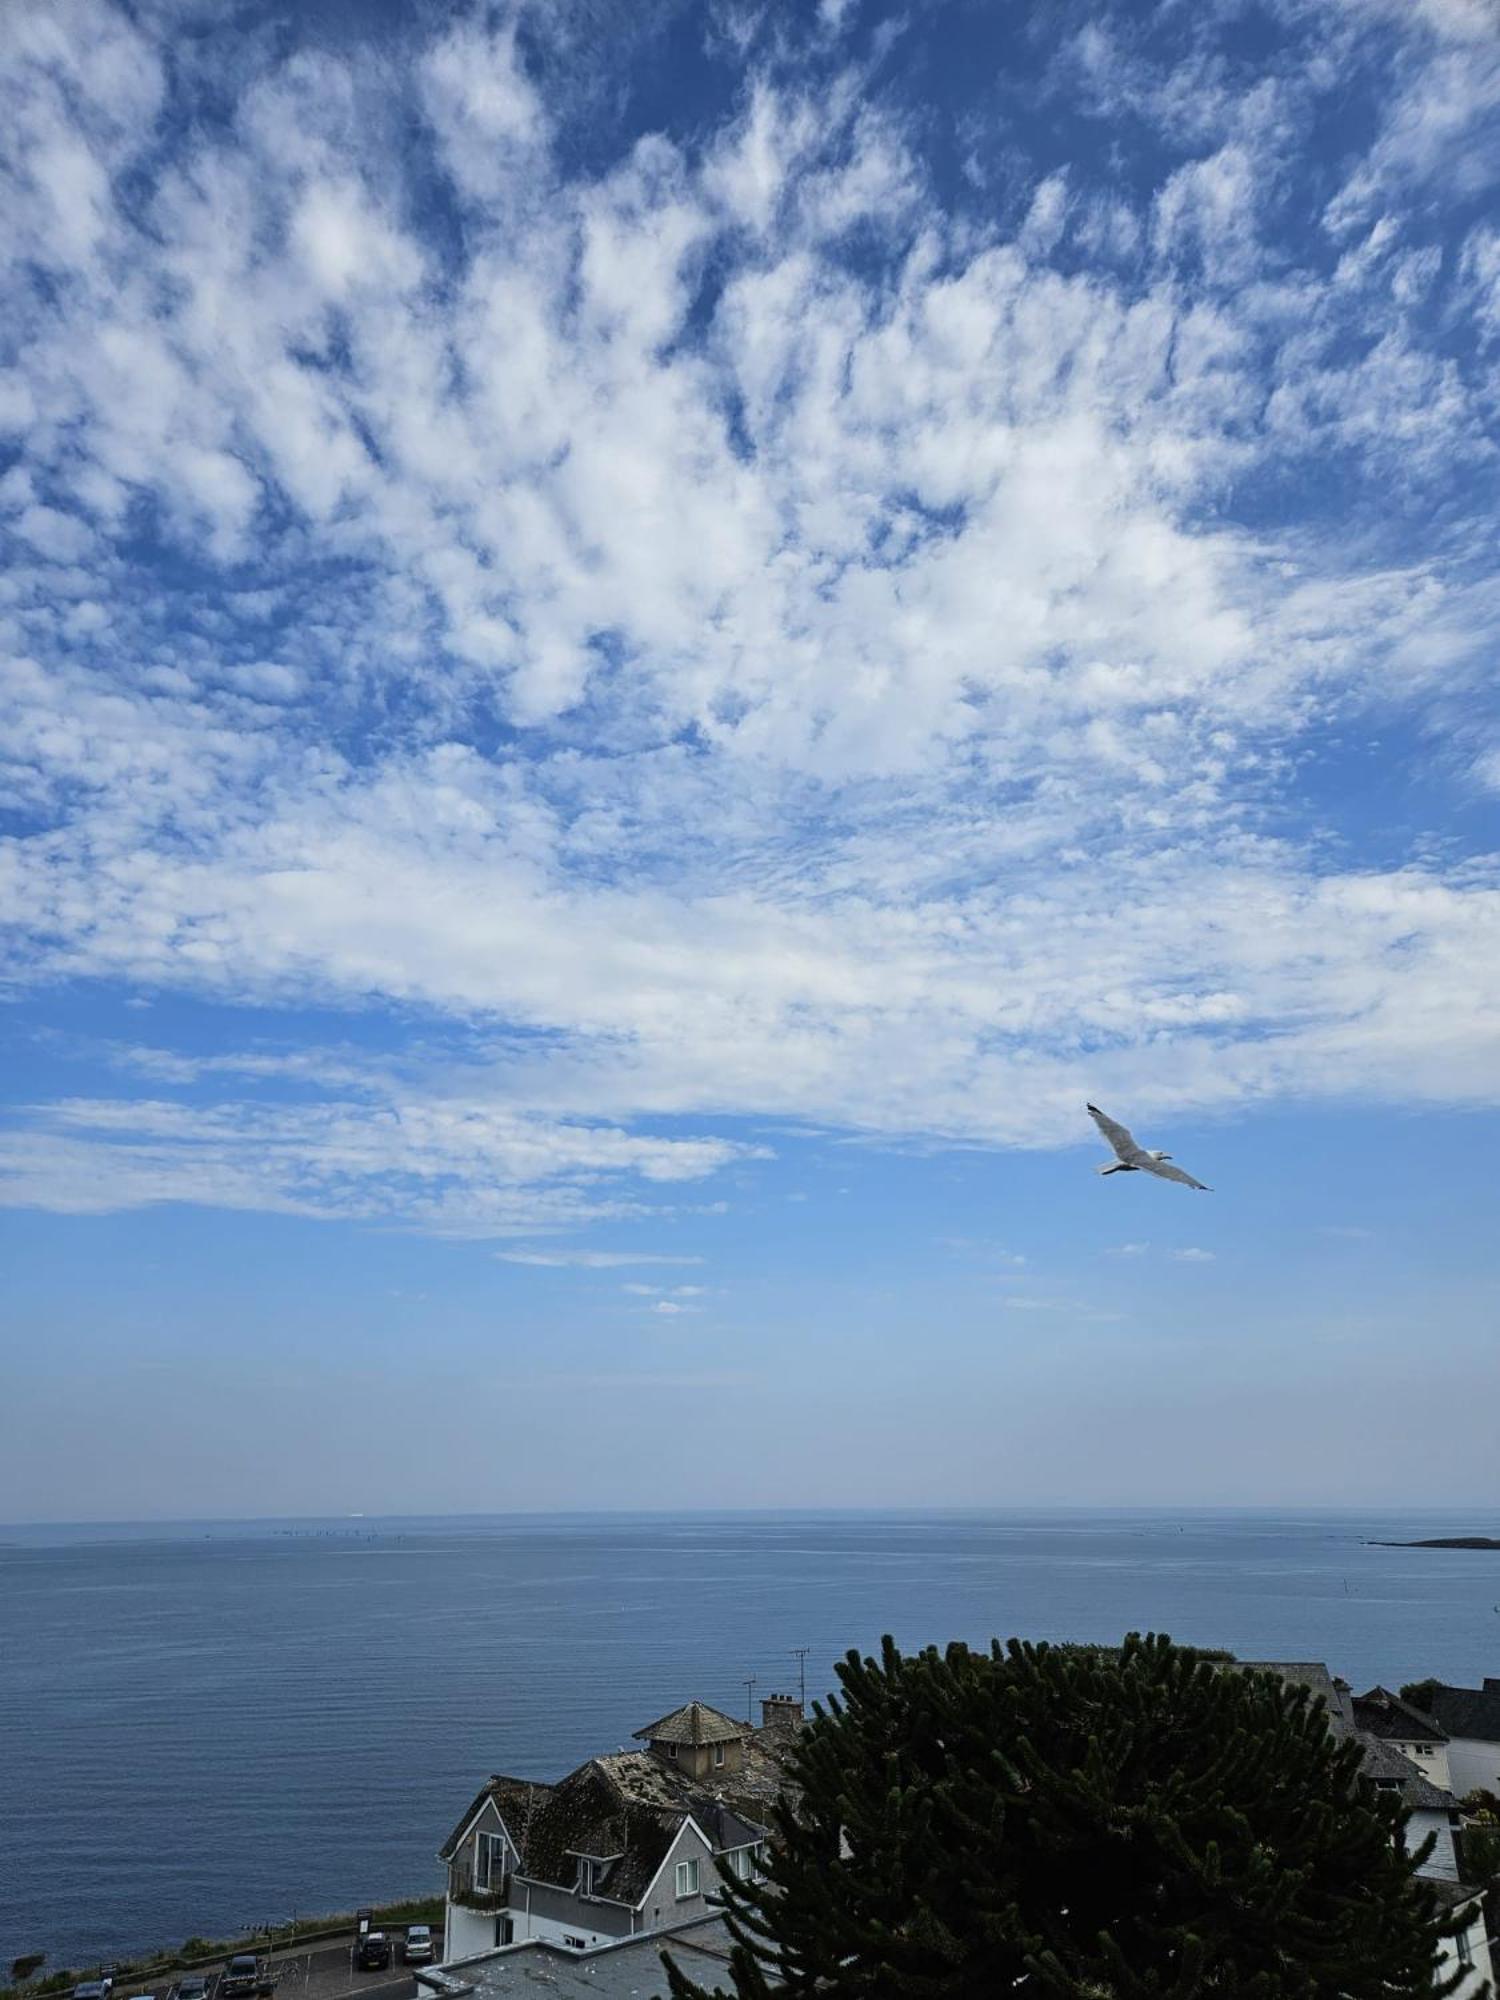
{"type": "Point", "coordinates": [840, 692]}
{"type": "Point", "coordinates": [589, 1260]}
{"type": "Point", "coordinates": [1193, 1256]}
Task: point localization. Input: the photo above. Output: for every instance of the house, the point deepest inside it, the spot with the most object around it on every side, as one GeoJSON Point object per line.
{"type": "Point", "coordinates": [1432, 1809]}
{"type": "Point", "coordinates": [1469, 1949]}
{"type": "Point", "coordinates": [1470, 1719]}
{"type": "Point", "coordinates": [1418, 1737]}
{"type": "Point", "coordinates": [625, 1844]}
{"type": "Point", "coordinates": [630, 1969]}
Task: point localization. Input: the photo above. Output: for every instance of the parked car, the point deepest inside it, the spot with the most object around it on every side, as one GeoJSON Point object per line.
{"type": "Point", "coordinates": [94, 1989]}
{"type": "Point", "coordinates": [374, 1952]}
{"type": "Point", "coordinates": [417, 1949]}
{"type": "Point", "coordinates": [192, 1986]}
{"type": "Point", "coordinates": [240, 1979]}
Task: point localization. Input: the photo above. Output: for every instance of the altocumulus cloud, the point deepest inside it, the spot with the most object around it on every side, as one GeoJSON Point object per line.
{"type": "Point", "coordinates": [737, 620]}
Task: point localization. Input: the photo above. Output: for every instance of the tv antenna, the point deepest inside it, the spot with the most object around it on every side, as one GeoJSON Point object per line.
{"type": "Point", "coordinates": [749, 1686]}
{"type": "Point", "coordinates": [799, 1654]}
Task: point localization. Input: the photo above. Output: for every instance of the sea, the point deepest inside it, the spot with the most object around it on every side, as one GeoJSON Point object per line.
{"type": "Point", "coordinates": [206, 1727]}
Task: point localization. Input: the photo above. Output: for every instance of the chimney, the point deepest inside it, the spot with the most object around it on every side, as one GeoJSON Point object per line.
{"type": "Point", "coordinates": [782, 1711]}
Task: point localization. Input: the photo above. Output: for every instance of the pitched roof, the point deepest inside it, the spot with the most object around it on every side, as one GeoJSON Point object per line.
{"type": "Point", "coordinates": [1382, 1765]}
{"type": "Point", "coordinates": [1381, 1713]}
{"type": "Point", "coordinates": [1389, 1769]}
{"type": "Point", "coordinates": [696, 1723]}
{"type": "Point", "coordinates": [642, 1780]}
{"type": "Point", "coordinates": [587, 1813]}
{"type": "Point", "coordinates": [516, 1800]}
{"type": "Point", "coordinates": [1470, 1712]}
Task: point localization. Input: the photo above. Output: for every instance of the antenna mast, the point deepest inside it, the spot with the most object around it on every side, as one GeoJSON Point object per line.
{"type": "Point", "coordinates": [799, 1654]}
{"type": "Point", "coordinates": [749, 1686]}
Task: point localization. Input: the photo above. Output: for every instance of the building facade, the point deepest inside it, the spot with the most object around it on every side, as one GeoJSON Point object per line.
{"type": "Point", "coordinates": [625, 1844]}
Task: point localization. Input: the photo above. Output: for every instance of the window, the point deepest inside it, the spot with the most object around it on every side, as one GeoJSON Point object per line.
{"type": "Point", "coordinates": [489, 1861]}
{"type": "Point", "coordinates": [575, 1943]}
{"type": "Point", "coordinates": [718, 1753]}
{"type": "Point", "coordinates": [671, 1749]}
{"type": "Point", "coordinates": [1465, 1949]}
{"type": "Point", "coordinates": [687, 1880]}
{"type": "Point", "coordinates": [590, 1876]}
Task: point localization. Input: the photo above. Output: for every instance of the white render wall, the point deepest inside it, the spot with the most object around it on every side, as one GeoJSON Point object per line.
{"type": "Point", "coordinates": [466, 1933]}
{"type": "Point", "coordinates": [1473, 1766]}
{"type": "Point", "coordinates": [548, 1930]}
{"type": "Point", "coordinates": [1480, 1971]}
{"type": "Point", "coordinates": [1431, 1759]}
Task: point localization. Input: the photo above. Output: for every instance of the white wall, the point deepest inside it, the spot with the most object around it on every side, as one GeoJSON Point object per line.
{"type": "Point", "coordinates": [1431, 1759]}
{"type": "Point", "coordinates": [1480, 1970]}
{"type": "Point", "coordinates": [547, 1930]}
{"type": "Point", "coordinates": [466, 1933]}
{"type": "Point", "coordinates": [1473, 1766]}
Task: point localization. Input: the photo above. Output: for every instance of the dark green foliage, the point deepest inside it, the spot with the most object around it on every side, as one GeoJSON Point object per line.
{"type": "Point", "coordinates": [27, 1967]}
{"type": "Point", "coordinates": [1420, 1693]}
{"type": "Point", "coordinates": [1125, 1824]}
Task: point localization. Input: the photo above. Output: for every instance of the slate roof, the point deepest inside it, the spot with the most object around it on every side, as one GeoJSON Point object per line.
{"type": "Point", "coordinates": [1381, 1713]}
{"type": "Point", "coordinates": [1470, 1712]}
{"type": "Point", "coordinates": [1383, 1765]}
{"type": "Point", "coordinates": [517, 1800]}
{"type": "Point", "coordinates": [1388, 1767]}
{"type": "Point", "coordinates": [695, 1723]}
{"type": "Point", "coordinates": [625, 1810]}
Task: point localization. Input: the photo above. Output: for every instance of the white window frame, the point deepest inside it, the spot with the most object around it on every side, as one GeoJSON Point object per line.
{"type": "Point", "coordinates": [485, 1845]}
{"type": "Point", "coordinates": [686, 1880]}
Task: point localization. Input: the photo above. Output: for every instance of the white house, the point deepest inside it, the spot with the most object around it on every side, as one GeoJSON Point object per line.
{"type": "Point", "coordinates": [1470, 1949]}
{"type": "Point", "coordinates": [1470, 1718]}
{"type": "Point", "coordinates": [625, 1844]}
{"type": "Point", "coordinates": [1420, 1739]}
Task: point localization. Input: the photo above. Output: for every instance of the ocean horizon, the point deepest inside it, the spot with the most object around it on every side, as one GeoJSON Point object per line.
{"type": "Point", "coordinates": [233, 1721]}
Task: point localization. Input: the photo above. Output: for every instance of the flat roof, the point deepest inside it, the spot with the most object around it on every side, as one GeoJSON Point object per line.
{"type": "Point", "coordinates": [630, 1970]}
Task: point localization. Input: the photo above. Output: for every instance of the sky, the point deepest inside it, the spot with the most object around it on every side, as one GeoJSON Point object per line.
{"type": "Point", "coordinates": [638, 645]}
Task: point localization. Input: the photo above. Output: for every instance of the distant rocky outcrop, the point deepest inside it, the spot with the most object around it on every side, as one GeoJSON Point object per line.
{"type": "Point", "coordinates": [1444, 1542]}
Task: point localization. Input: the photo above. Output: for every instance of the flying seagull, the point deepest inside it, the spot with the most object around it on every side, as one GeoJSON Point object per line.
{"type": "Point", "coordinates": [1133, 1159]}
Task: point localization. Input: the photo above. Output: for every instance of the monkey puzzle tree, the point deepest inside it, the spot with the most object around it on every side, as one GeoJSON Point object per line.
{"type": "Point", "coordinates": [1130, 1823]}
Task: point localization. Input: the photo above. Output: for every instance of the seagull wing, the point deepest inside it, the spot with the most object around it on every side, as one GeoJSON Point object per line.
{"type": "Point", "coordinates": [1170, 1173]}
{"type": "Point", "coordinates": [1116, 1136]}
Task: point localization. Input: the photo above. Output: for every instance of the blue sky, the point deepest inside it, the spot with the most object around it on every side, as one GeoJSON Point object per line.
{"type": "Point", "coordinates": [638, 644]}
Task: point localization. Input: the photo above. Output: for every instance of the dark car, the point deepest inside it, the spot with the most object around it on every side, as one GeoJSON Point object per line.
{"type": "Point", "coordinates": [240, 1979]}
{"type": "Point", "coordinates": [417, 1949]}
{"type": "Point", "coordinates": [192, 1986]}
{"type": "Point", "coordinates": [374, 1952]}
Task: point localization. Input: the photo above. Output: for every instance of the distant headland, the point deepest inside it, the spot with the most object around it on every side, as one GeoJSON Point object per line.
{"type": "Point", "coordinates": [1444, 1542]}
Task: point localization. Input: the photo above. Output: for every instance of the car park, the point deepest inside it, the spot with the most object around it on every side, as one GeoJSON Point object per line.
{"type": "Point", "coordinates": [417, 1950]}
{"type": "Point", "coordinates": [374, 1952]}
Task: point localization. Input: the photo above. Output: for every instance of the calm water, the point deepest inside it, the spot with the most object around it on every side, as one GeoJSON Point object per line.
{"type": "Point", "coordinates": [205, 1727]}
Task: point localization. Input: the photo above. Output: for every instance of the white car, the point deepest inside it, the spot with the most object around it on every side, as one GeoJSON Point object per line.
{"type": "Point", "coordinates": [417, 1949]}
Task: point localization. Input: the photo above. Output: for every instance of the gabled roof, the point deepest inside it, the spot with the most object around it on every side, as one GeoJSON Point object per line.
{"type": "Point", "coordinates": [695, 1723]}
{"type": "Point", "coordinates": [588, 1813]}
{"type": "Point", "coordinates": [1389, 1769]}
{"type": "Point", "coordinates": [1470, 1712]}
{"type": "Point", "coordinates": [515, 1799]}
{"type": "Point", "coordinates": [1381, 1713]}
